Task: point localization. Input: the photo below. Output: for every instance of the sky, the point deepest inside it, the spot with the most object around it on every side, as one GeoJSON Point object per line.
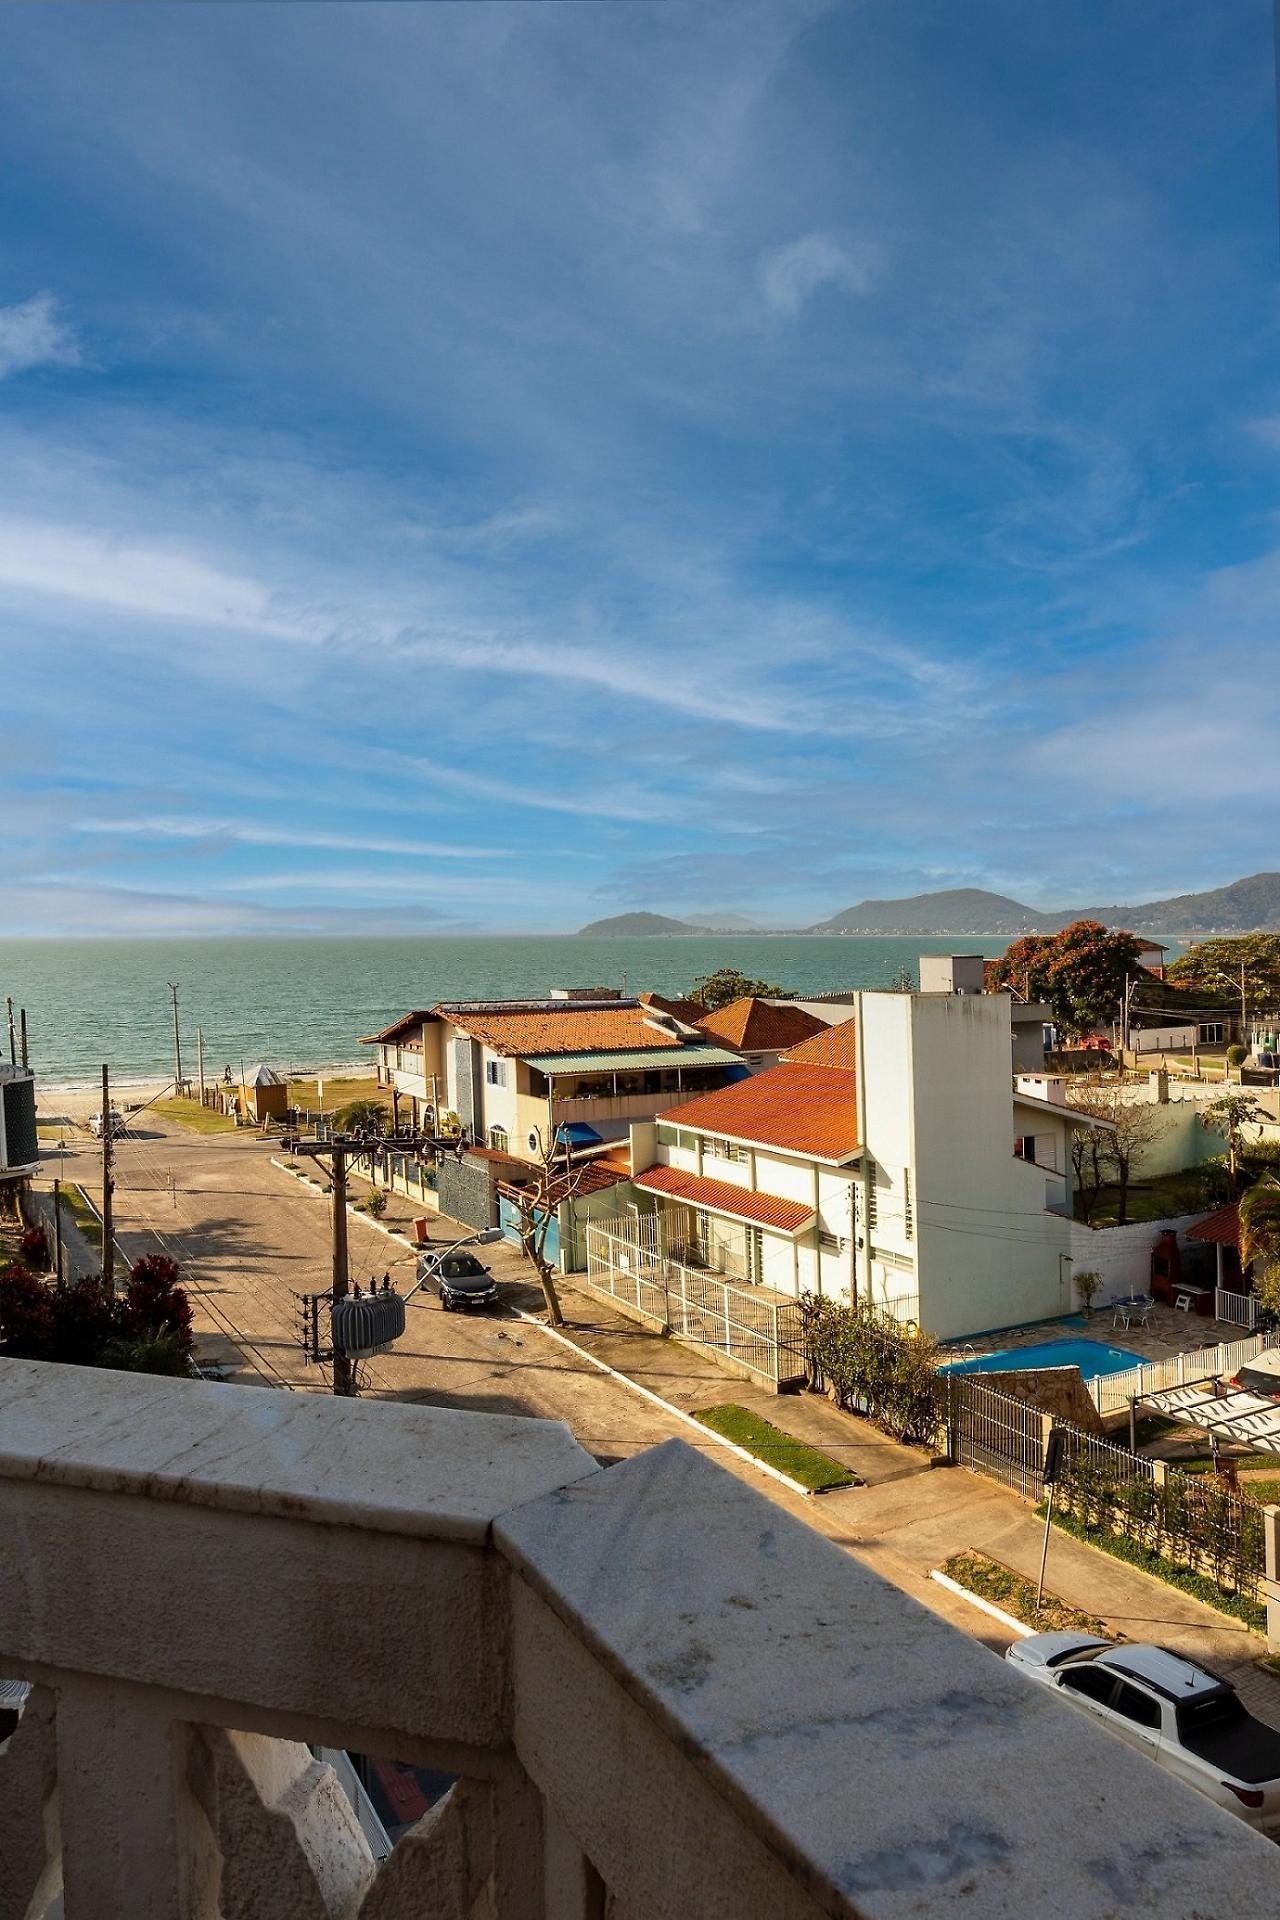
{"type": "Point", "coordinates": [494, 466]}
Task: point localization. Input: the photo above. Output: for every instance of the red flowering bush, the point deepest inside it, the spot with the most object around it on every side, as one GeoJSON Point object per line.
{"type": "Point", "coordinates": [147, 1329]}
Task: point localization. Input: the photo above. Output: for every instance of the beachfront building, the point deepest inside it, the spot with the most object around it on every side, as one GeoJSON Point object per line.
{"type": "Point", "coordinates": [888, 1158]}
{"type": "Point", "coordinates": [759, 1031]}
{"type": "Point", "coordinates": [517, 1075]}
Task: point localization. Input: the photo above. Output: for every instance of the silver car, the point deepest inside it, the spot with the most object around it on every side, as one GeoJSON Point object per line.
{"type": "Point", "coordinates": [1185, 1718]}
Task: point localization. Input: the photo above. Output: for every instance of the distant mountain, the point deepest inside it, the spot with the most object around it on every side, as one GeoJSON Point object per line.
{"type": "Point", "coordinates": [634, 925]}
{"type": "Point", "coordinates": [1246, 906]}
{"type": "Point", "coordinates": [959, 910]}
{"type": "Point", "coordinates": [718, 922]}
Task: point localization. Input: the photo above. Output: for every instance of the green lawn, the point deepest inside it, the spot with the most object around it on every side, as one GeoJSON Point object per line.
{"type": "Point", "coordinates": [191, 1115]}
{"type": "Point", "coordinates": [1160, 1199]}
{"type": "Point", "coordinates": [82, 1213]}
{"type": "Point", "coordinates": [816, 1471]}
{"type": "Point", "coordinates": [1015, 1594]}
{"type": "Point", "coordinates": [337, 1093]}
{"type": "Point", "coordinates": [1258, 1487]}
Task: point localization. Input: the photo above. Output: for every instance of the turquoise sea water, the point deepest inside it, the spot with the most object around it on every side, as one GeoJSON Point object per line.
{"type": "Point", "coordinates": [305, 1002]}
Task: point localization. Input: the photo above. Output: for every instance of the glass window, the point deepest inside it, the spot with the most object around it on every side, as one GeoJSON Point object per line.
{"type": "Point", "coordinates": [495, 1073]}
{"type": "Point", "coordinates": [1137, 1706]}
{"type": "Point", "coordinates": [1094, 1683]}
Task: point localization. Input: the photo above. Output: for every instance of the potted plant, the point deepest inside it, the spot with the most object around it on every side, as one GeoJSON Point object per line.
{"type": "Point", "coordinates": [1088, 1286]}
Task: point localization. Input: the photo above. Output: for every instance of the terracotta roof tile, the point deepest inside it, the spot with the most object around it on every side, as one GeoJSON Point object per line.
{"type": "Point", "coordinates": [755, 1026]}
{"type": "Point", "coordinates": [721, 1196]}
{"type": "Point", "coordinates": [578, 1030]}
{"type": "Point", "coordinates": [802, 1109]}
{"type": "Point", "coordinates": [835, 1046]}
{"type": "Point", "coordinates": [1221, 1229]}
{"type": "Point", "coordinates": [687, 1011]}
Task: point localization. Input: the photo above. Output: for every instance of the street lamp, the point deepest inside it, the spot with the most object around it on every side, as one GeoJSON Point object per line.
{"type": "Point", "coordinates": [485, 1238]}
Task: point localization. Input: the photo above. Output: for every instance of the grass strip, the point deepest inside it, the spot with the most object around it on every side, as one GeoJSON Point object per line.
{"type": "Point", "coordinates": [815, 1471]}
{"type": "Point", "coordinates": [82, 1213]}
{"type": "Point", "coordinates": [1198, 1585]}
{"type": "Point", "coordinates": [191, 1115]}
{"type": "Point", "coordinates": [1015, 1594]}
{"type": "Point", "coordinates": [1257, 1487]}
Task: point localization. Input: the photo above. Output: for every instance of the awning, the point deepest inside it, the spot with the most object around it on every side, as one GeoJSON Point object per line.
{"type": "Point", "coordinates": [1246, 1417]}
{"type": "Point", "coordinates": [1221, 1229]}
{"type": "Point", "coordinates": [640, 1059]}
{"type": "Point", "coordinates": [722, 1196]}
{"type": "Point", "coordinates": [579, 1134]}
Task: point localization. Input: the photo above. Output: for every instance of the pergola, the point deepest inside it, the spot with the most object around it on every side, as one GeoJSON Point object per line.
{"type": "Point", "coordinates": [1235, 1415]}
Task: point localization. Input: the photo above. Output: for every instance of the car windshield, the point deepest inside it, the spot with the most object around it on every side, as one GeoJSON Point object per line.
{"type": "Point", "coordinates": [463, 1266]}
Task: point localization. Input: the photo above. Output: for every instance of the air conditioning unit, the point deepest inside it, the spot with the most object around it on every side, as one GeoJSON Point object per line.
{"type": "Point", "coordinates": [19, 1146]}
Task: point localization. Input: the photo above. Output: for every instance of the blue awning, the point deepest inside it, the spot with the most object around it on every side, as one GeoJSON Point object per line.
{"type": "Point", "coordinates": [579, 1134]}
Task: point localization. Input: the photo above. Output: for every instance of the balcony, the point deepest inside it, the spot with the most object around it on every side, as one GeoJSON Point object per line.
{"type": "Point", "coordinates": [657, 1692]}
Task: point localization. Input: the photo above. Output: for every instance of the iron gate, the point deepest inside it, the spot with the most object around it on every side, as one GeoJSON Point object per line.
{"type": "Point", "coordinates": [996, 1435]}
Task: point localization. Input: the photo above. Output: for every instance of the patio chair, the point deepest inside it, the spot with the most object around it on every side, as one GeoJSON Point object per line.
{"type": "Point", "coordinates": [1122, 1314]}
{"type": "Point", "coordinates": [1143, 1310]}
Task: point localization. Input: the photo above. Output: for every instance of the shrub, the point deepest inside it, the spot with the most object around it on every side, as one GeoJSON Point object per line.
{"type": "Point", "coordinates": [147, 1329]}
{"type": "Point", "coordinates": [33, 1248]}
{"type": "Point", "coordinates": [26, 1315]}
{"type": "Point", "coordinates": [1237, 1055]}
{"type": "Point", "coordinates": [871, 1364]}
{"type": "Point", "coordinates": [1088, 1286]}
{"type": "Point", "coordinates": [376, 1204]}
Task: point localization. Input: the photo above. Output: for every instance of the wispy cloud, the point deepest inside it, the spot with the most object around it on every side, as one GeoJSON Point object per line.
{"type": "Point", "coordinates": [34, 334]}
{"type": "Point", "coordinates": [790, 275]}
{"type": "Point", "coordinates": [245, 834]}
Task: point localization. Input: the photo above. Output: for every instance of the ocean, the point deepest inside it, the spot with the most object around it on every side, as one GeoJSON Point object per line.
{"type": "Point", "coordinates": [303, 1003]}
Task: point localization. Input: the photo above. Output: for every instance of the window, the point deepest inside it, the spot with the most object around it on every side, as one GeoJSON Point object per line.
{"type": "Point", "coordinates": [873, 1205]}
{"type": "Point", "coordinates": [498, 1139]}
{"type": "Point", "coordinates": [831, 1243]}
{"type": "Point", "coordinates": [1137, 1706]}
{"type": "Point", "coordinates": [908, 1211]}
{"type": "Point", "coordinates": [714, 1148]}
{"type": "Point", "coordinates": [1212, 1033]}
{"type": "Point", "coordinates": [1091, 1683]}
{"type": "Point", "coordinates": [1024, 1146]}
{"type": "Point", "coordinates": [495, 1073]}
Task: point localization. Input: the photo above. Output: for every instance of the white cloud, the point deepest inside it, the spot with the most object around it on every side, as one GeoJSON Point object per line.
{"type": "Point", "coordinates": [244, 833]}
{"type": "Point", "coordinates": [33, 335]}
{"type": "Point", "coordinates": [788, 276]}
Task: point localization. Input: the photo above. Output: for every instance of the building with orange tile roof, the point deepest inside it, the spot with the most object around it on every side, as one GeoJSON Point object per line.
{"type": "Point", "coordinates": [759, 1029]}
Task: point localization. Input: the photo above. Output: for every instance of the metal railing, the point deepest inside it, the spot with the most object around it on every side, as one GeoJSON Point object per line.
{"type": "Point", "coordinates": [755, 1328]}
{"type": "Point", "coordinates": [1236, 1309]}
{"type": "Point", "coordinates": [1113, 1391]}
{"type": "Point", "coordinates": [996, 1435]}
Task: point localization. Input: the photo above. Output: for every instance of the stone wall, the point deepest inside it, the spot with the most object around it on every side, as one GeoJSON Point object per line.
{"type": "Point", "coordinates": [1058, 1391]}
{"type": "Point", "coordinates": [465, 1188]}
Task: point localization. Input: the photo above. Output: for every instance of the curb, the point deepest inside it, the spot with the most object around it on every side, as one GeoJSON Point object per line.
{"type": "Point", "coordinates": [365, 1219]}
{"type": "Point", "coordinates": [656, 1400]}
{"type": "Point", "coordinates": [1019, 1627]}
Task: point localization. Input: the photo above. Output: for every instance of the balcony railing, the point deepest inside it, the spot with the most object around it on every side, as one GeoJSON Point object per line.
{"type": "Point", "coordinates": [657, 1692]}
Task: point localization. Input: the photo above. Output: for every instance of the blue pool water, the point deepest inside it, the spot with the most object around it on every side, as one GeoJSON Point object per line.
{"type": "Point", "coordinates": [1092, 1358]}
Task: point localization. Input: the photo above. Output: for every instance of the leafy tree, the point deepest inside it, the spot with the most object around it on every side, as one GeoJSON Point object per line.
{"type": "Point", "coordinates": [1229, 1116]}
{"type": "Point", "coordinates": [1260, 1240]}
{"type": "Point", "coordinates": [1213, 968]}
{"type": "Point", "coordinates": [1081, 972]}
{"type": "Point", "coordinates": [726, 984]}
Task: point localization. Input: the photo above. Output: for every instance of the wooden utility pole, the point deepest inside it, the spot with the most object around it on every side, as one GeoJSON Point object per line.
{"type": "Point", "coordinates": [22, 1018]}
{"type": "Point", "coordinates": [13, 1050]}
{"type": "Point", "coordinates": [343, 1371]}
{"type": "Point", "coordinates": [200, 1060]}
{"type": "Point", "coordinates": [108, 1224]}
{"type": "Point", "coordinates": [177, 1040]}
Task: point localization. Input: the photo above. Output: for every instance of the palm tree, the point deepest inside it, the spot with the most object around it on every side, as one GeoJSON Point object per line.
{"type": "Point", "coordinates": [1260, 1239]}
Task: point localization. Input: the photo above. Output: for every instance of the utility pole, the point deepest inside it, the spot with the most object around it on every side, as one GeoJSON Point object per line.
{"type": "Point", "coordinates": [57, 1231]}
{"type": "Point", "coordinates": [200, 1060]}
{"type": "Point", "coordinates": [177, 1040]}
{"type": "Point", "coordinates": [108, 1224]}
{"type": "Point", "coordinates": [13, 1051]}
{"type": "Point", "coordinates": [22, 1016]}
{"type": "Point", "coordinates": [343, 1381]}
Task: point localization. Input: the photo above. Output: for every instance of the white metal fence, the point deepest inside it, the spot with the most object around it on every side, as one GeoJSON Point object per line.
{"type": "Point", "coordinates": [751, 1326]}
{"type": "Point", "coordinates": [1113, 1391]}
{"type": "Point", "coordinates": [1236, 1309]}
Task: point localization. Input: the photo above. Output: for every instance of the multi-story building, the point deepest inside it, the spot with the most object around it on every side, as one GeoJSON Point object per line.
{"type": "Point", "coordinates": [516, 1075]}
{"type": "Point", "coordinates": [890, 1158]}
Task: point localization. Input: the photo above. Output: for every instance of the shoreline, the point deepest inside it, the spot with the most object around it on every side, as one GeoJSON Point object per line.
{"type": "Point", "coordinates": [141, 1082]}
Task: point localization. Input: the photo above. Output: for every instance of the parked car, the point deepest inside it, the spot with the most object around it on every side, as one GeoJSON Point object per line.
{"type": "Point", "coordinates": [462, 1282]}
{"type": "Point", "coordinates": [114, 1121]}
{"type": "Point", "coordinates": [1261, 1375]}
{"type": "Point", "coordinates": [1188, 1720]}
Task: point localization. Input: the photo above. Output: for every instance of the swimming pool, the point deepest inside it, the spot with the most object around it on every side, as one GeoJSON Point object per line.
{"type": "Point", "coordinates": [1091, 1356]}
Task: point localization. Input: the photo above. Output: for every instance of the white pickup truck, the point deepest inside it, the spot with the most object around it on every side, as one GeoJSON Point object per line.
{"type": "Point", "coordinates": [1186, 1719]}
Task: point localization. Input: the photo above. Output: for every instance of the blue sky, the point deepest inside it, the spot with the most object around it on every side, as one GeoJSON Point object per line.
{"type": "Point", "coordinates": [494, 466]}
